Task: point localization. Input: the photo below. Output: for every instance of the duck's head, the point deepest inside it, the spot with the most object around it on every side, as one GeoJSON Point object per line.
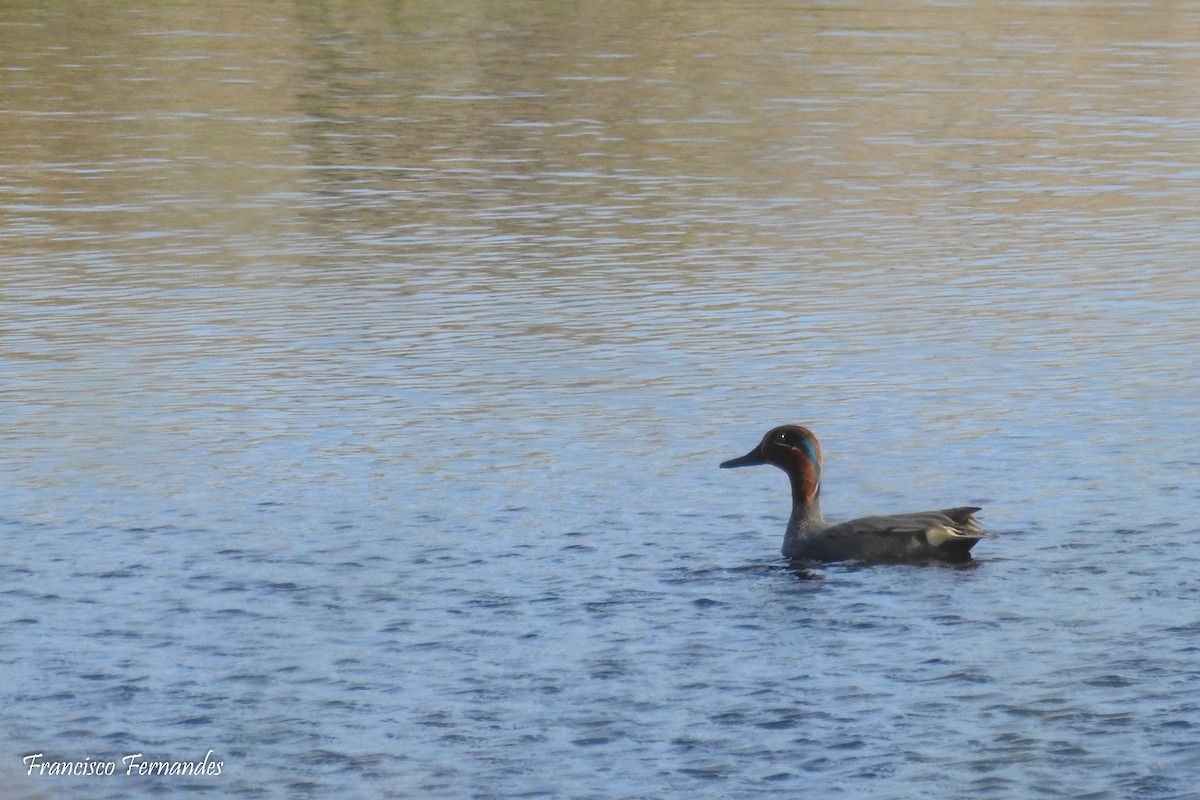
{"type": "Point", "coordinates": [793, 449]}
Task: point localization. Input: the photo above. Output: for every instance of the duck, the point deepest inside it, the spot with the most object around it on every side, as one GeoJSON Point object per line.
{"type": "Point", "coordinates": [924, 536]}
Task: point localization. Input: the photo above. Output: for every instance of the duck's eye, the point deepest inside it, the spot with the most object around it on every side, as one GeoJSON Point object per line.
{"type": "Point", "coordinates": [781, 437]}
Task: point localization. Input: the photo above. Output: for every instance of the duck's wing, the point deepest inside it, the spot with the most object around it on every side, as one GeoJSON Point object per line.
{"type": "Point", "coordinates": [946, 535]}
{"type": "Point", "coordinates": [937, 527]}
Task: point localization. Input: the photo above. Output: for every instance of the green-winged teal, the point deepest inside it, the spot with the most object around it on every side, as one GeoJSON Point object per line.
{"type": "Point", "coordinates": [946, 535]}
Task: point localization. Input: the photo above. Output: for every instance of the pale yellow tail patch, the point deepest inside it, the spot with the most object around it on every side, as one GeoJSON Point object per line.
{"type": "Point", "coordinates": [938, 535]}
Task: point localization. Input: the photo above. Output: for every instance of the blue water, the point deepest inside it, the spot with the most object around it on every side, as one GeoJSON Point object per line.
{"type": "Point", "coordinates": [365, 376]}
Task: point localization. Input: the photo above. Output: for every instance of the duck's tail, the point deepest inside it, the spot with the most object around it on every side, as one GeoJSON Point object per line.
{"type": "Point", "coordinates": [961, 526]}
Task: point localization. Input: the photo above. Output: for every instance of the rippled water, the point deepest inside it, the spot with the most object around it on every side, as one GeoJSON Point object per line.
{"type": "Point", "coordinates": [365, 370]}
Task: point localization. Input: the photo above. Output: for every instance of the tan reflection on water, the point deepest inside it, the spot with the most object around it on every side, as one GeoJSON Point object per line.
{"type": "Point", "coordinates": [480, 160]}
{"type": "Point", "coordinates": [188, 119]}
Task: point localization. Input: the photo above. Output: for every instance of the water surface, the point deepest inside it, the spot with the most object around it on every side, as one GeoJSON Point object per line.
{"type": "Point", "coordinates": [366, 369]}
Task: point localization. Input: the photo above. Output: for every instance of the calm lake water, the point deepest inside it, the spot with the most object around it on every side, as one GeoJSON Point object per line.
{"type": "Point", "coordinates": [365, 368]}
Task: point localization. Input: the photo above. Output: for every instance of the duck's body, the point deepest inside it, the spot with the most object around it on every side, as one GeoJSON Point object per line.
{"type": "Point", "coordinates": [946, 535]}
